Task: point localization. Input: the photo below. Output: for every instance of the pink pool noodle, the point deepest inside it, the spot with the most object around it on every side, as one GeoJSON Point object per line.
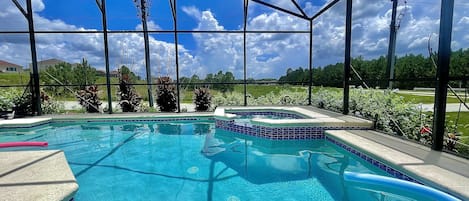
{"type": "Point", "coordinates": [22, 144]}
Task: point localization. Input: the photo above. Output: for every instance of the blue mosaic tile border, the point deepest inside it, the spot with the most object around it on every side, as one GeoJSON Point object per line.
{"type": "Point", "coordinates": [143, 120]}
{"type": "Point", "coordinates": [280, 133]}
{"type": "Point", "coordinates": [391, 171]}
{"type": "Point", "coordinates": [268, 113]}
{"type": "Point", "coordinates": [130, 120]}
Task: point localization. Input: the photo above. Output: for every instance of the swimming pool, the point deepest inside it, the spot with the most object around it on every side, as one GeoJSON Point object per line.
{"type": "Point", "coordinates": [194, 160]}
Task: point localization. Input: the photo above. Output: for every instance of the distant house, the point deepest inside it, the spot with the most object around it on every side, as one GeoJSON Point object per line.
{"type": "Point", "coordinates": [100, 73]}
{"type": "Point", "coordinates": [7, 67]}
{"type": "Point", "coordinates": [114, 73]}
{"type": "Point", "coordinates": [44, 64]}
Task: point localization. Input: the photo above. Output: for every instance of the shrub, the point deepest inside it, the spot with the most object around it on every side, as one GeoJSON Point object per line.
{"type": "Point", "coordinates": [327, 99]}
{"type": "Point", "coordinates": [7, 98]}
{"type": "Point", "coordinates": [391, 115]}
{"type": "Point", "coordinates": [50, 106]}
{"type": "Point", "coordinates": [166, 96]}
{"type": "Point", "coordinates": [22, 103]}
{"type": "Point", "coordinates": [227, 99]}
{"type": "Point", "coordinates": [88, 98]}
{"type": "Point", "coordinates": [202, 99]}
{"type": "Point", "coordinates": [130, 101]}
{"type": "Point", "coordinates": [268, 99]}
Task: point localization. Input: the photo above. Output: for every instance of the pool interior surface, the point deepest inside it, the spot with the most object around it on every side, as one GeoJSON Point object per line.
{"type": "Point", "coordinates": [195, 161]}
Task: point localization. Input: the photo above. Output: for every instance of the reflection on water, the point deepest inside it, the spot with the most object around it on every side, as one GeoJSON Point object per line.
{"type": "Point", "coordinates": [202, 128]}
{"type": "Point", "coordinates": [265, 161]}
{"type": "Point", "coordinates": [169, 129]}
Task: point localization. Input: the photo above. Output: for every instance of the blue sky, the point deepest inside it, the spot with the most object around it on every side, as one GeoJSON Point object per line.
{"type": "Point", "coordinates": [269, 55]}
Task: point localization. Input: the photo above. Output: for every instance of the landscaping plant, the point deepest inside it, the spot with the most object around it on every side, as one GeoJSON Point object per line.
{"type": "Point", "coordinates": [49, 105]}
{"type": "Point", "coordinates": [202, 99]}
{"type": "Point", "coordinates": [129, 101]}
{"type": "Point", "coordinates": [88, 98]}
{"type": "Point", "coordinates": [166, 96]}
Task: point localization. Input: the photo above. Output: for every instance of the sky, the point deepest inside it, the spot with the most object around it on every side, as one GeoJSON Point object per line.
{"type": "Point", "coordinates": [269, 55]}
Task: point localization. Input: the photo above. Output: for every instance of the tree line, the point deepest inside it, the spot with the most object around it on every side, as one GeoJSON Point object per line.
{"type": "Point", "coordinates": [413, 70]}
{"type": "Point", "coordinates": [76, 77]}
{"type": "Point", "coordinates": [223, 78]}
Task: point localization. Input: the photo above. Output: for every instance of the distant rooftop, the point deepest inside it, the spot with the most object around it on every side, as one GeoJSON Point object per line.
{"type": "Point", "coordinates": [8, 64]}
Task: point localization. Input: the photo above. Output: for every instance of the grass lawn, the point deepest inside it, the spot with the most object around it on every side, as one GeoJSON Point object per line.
{"type": "Point", "coordinates": [425, 99]}
{"type": "Point", "coordinates": [261, 90]}
{"type": "Point", "coordinates": [463, 123]}
{"type": "Point", "coordinates": [14, 78]}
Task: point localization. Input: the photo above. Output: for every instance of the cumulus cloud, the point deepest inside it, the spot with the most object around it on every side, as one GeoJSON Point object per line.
{"type": "Point", "coordinates": [192, 11]}
{"type": "Point", "coordinates": [124, 49]}
{"type": "Point", "coordinates": [151, 25]}
{"type": "Point", "coordinates": [268, 54]}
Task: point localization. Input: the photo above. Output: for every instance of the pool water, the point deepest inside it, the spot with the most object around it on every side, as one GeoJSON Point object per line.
{"type": "Point", "coordinates": [194, 161]}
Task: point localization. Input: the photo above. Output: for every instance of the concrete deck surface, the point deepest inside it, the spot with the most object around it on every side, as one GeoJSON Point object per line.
{"type": "Point", "coordinates": [36, 175]}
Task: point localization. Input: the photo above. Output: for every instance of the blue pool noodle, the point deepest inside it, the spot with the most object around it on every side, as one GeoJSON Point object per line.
{"type": "Point", "coordinates": [383, 181]}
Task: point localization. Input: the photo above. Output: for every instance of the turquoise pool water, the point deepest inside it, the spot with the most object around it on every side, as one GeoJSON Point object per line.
{"type": "Point", "coordinates": [195, 161]}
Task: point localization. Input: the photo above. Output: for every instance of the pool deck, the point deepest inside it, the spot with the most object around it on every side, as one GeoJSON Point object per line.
{"type": "Point", "coordinates": [36, 175]}
{"type": "Point", "coordinates": [438, 169]}
{"type": "Point", "coordinates": [45, 175]}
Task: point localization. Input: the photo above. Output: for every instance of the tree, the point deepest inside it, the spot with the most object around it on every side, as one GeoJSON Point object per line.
{"type": "Point", "coordinates": [55, 76]}
{"type": "Point", "coordinates": [228, 78]}
{"type": "Point", "coordinates": [221, 81]}
{"type": "Point", "coordinates": [85, 75]}
{"type": "Point", "coordinates": [410, 67]}
{"type": "Point", "coordinates": [126, 72]}
{"type": "Point", "coordinates": [195, 79]}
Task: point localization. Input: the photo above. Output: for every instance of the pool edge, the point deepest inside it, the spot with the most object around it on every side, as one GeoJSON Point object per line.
{"type": "Point", "coordinates": [427, 174]}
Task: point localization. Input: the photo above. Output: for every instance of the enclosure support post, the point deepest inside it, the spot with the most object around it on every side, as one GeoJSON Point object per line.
{"type": "Point", "coordinates": [176, 56]}
{"type": "Point", "coordinates": [348, 44]}
{"type": "Point", "coordinates": [442, 73]}
{"type": "Point", "coordinates": [310, 84]}
{"type": "Point", "coordinates": [32, 41]}
{"type": "Point", "coordinates": [244, 52]}
{"type": "Point", "coordinates": [147, 51]}
{"type": "Point", "coordinates": [102, 7]}
{"type": "Point", "coordinates": [392, 46]}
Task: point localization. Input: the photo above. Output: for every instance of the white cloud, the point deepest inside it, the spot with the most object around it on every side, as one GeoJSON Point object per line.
{"type": "Point", "coordinates": [124, 49]}
{"type": "Point", "coordinates": [268, 54]}
{"type": "Point", "coordinates": [464, 20]}
{"type": "Point", "coordinates": [192, 11]}
{"type": "Point", "coordinates": [151, 25]}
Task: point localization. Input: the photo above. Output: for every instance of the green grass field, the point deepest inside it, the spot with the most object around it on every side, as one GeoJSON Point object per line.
{"type": "Point", "coordinates": [425, 99]}
{"type": "Point", "coordinates": [14, 78]}
{"type": "Point", "coordinates": [187, 94]}
{"type": "Point", "coordinates": [463, 122]}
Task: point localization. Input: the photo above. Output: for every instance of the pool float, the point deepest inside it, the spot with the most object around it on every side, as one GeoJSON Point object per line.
{"type": "Point", "coordinates": [22, 144]}
{"type": "Point", "coordinates": [395, 186]}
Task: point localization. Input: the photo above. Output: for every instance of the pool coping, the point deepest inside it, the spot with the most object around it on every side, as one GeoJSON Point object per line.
{"type": "Point", "coordinates": [38, 121]}
{"type": "Point", "coordinates": [311, 117]}
{"type": "Point", "coordinates": [36, 175]}
{"type": "Point", "coordinates": [423, 169]}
